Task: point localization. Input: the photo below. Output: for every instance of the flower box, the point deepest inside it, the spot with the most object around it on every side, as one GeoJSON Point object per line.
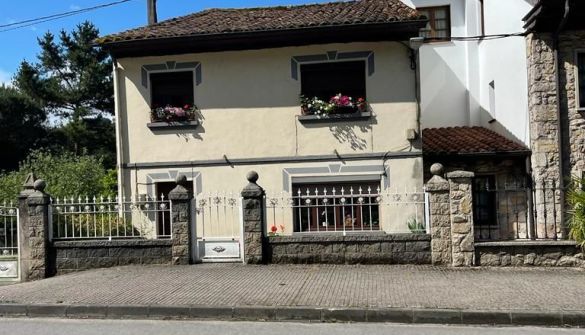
{"type": "Point", "coordinates": [338, 104]}
{"type": "Point", "coordinates": [186, 113]}
{"type": "Point", "coordinates": [339, 107]}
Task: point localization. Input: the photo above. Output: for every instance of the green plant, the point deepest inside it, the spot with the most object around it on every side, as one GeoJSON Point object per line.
{"type": "Point", "coordinates": [66, 175]}
{"type": "Point", "coordinates": [415, 226]}
{"type": "Point", "coordinates": [576, 202]}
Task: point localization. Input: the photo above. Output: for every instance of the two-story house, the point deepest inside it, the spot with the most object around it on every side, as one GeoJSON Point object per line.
{"type": "Point", "coordinates": [320, 100]}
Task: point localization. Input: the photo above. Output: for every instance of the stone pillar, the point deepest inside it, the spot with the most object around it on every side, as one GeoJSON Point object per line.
{"type": "Point", "coordinates": [254, 225]}
{"type": "Point", "coordinates": [461, 209]}
{"type": "Point", "coordinates": [438, 189]}
{"type": "Point", "coordinates": [34, 230]}
{"type": "Point", "coordinates": [181, 198]}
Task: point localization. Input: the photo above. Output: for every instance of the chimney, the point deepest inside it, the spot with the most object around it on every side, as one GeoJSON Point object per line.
{"type": "Point", "coordinates": [152, 19]}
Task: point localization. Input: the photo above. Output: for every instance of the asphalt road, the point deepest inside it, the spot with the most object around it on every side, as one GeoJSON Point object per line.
{"type": "Point", "coordinates": [152, 327]}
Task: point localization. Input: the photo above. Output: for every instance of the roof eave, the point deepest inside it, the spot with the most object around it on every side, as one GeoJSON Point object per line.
{"type": "Point", "coordinates": [397, 30]}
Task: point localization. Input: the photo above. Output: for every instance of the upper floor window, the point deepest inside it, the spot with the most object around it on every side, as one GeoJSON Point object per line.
{"type": "Point", "coordinates": [171, 89]}
{"type": "Point", "coordinates": [439, 25]}
{"type": "Point", "coordinates": [172, 96]}
{"type": "Point", "coordinates": [581, 78]}
{"type": "Point", "coordinates": [333, 87]}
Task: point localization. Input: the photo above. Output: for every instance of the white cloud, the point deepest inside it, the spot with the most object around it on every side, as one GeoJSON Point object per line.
{"type": "Point", "coordinates": [5, 78]}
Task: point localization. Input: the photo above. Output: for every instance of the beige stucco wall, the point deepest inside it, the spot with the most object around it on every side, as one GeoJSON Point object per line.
{"type": "Point", "coordinates": [249, 104]}
{"type": "Point", "coordinates": [249, 107]}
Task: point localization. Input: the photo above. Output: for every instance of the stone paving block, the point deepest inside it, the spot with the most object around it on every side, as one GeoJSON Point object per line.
{"type": "Point", "coordinates": [298, 314]}
{"type": "Point", "coordinates": [390, 315]}
{"type": "Point", "coordinates": [175, 312]}
{"type": "Point", "coordinates": [537, 318]}
{"type": "Point", "coordinates": [13, 309]}
{"type": "Point", "coordinates": [254, 313]}
{"type": "Point", "coordinates": [211, 312]}
{"type": "Point", "coordinates": [35, 310]}
{"type": "Point", "coordinates": [486, 317]}
{"type": "Point", "coordinates": [128, 312]}
{"type": "Point", "coordinates": [87, 311]}
{"type": "Point", "coordinates": [574, 319]}
{"type": "Point", "coordinates": [343, 315]}
{"type": "Point", "coordinates": [441, 316]}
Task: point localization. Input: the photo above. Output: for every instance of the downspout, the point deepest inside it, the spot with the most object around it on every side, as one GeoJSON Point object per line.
{"type": "Point", "coordinates": [558, 97]}
{"type": "Point", "coordinates": [119, 143]}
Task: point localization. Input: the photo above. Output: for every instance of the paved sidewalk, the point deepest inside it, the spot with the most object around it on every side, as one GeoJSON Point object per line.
{"type": "Point", "coordinates": [530, 290]}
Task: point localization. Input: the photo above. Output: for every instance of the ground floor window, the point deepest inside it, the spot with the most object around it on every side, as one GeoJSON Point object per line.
{"type": "Point", "coordinates": [330, 207]}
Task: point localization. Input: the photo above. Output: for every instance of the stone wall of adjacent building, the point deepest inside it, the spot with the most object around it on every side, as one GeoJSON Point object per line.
{"type": "Point", "coordinates": [529, 253]}
{"type": "Point", "coordinates": [72, 256]}
{"type": "Point", "coordinates": [542, 106]}
{"type": "Point", "coordinates": [573, 121]}
{"type": "Point", "coordinates": [351, 249]}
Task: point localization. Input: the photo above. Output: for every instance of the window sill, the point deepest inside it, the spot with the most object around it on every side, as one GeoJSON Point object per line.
{"type": "Point", "coordinates": [172, 125]}
{"type": "Point", "coordinates": [335, 117]}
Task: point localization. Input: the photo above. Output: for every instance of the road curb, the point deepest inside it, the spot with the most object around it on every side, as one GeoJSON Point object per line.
{"type": "Point", "coordinates": [304, 314]}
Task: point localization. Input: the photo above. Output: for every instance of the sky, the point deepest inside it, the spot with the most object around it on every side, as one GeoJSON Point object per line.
{"type": "Point", "coordinates": [21, 44]}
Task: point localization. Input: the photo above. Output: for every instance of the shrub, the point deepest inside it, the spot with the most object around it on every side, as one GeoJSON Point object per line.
{"type": "Point", "coordinates": [576, 201]}
{"type": "Point", "coordinates": [66, 175]}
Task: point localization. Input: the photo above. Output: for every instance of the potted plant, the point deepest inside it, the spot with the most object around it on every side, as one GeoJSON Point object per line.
{"type": "Point", "coordinates": [337, 104]}
{"type": "Point", "coordinates": [170, 113]}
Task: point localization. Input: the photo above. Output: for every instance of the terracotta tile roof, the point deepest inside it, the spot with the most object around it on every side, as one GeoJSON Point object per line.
{"type": "Point", "coordinates": [223, 21]}
{"type": "Point", "coordinates": [467, 140]}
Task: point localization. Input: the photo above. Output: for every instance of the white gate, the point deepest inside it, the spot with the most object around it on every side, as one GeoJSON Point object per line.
{"type": "Point", "coordinates": [9, 253]}
{"type": "Point", "coordinates": [218, 227]}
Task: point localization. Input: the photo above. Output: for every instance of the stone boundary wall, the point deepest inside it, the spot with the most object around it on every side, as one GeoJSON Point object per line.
{"type": "Point", "coordinates": [351, 249]}
{"type": "Point", "coordinates": [72, 256]}
{"type": "Point", "coordinates": [529, 253]}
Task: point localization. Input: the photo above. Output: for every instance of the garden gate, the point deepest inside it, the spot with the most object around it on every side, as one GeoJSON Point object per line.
{"type": "Point", "coordinates": [219, 225]}
{"type": "Point", "coordinates": [9, 253]}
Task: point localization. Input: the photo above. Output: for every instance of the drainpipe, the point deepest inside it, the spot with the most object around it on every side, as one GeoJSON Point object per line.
{"type": "Point", "coordinates": [558, 96]}
{"type": "Point", "coordinates": [119, 137]}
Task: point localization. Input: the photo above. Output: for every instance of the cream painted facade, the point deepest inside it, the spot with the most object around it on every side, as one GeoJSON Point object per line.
{"type": "Point", "coordinates": [249, 102]}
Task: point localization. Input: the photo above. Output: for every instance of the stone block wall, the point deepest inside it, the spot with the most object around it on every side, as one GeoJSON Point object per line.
{"type": "Point", "coordinates": [461, 210]}
{"type": "Point", "coordinates": [72, 256]}
{"type": "Point", "coordinates": [350, 249]}
{"type": "Point", "coordinates": [525, 253]}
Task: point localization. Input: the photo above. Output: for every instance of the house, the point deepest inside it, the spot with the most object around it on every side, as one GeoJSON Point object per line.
{"type": "Point", "coordinates": [245, 70]}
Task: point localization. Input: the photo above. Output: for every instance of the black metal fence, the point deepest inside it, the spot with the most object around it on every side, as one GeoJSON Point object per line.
{"type": "Point", "coordinates": [518, 211]}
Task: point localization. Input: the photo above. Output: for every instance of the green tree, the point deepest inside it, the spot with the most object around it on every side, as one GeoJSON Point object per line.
{"type": "Point", "coordinates": [21, 126]}
{"type": "Point", "coordinates": [72, 81]}
{"type": "Point", "coordinates": [66, 175]}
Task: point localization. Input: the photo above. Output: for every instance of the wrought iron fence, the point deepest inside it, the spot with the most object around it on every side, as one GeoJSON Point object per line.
{"type": "Point", "coordinates": [340, 209]}
{"type": "Point", "coordinates": [218, 214]}
{"type": "Point", "coordinates": [110, 218]}
{"type": "Point", "coordinates": [517, 211]}
{"type": "Point", "coordinates": [8, 229]}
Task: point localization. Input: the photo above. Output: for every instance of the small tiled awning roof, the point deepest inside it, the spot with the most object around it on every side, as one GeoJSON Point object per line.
{"type": "Point", "coordinates": [468, 141]}
{"type": "Point", "coordinates": [229, 21]}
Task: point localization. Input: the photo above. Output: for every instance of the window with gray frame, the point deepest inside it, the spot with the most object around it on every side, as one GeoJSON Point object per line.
{"type": "Point", "coordinates": [581, 78]}
{"type": "Point", "coordinates": [171, 89]}
{"type": "Point", "coordinates": [439, 25]}
{"type": "Point", "coordinates": [324, 80]}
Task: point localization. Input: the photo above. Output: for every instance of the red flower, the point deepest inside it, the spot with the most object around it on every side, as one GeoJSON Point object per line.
{"type": "Point", "coordinates": [273, 229]}
{"type": "Point", "coordinates": [186, 107]}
